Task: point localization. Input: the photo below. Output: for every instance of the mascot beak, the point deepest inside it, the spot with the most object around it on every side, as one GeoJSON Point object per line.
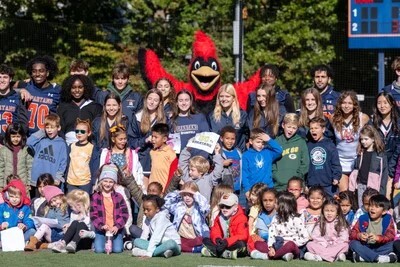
{"type": "Point", "coordinates": [205, 77]}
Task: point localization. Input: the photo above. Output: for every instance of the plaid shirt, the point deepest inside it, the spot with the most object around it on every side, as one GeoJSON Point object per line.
{"type": "Point", "coordinates": [97, 212]}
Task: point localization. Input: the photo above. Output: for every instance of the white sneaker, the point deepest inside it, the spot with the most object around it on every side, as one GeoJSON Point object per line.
{"type": "Point", "coordinates": [383, 259]}
{"type": "Point", "coordinates": [168, 254]}
{"type": "Point", "coordinates": [227, 254]}
{"type": "Point", "coordinates": [288, 257]}
{"type": "Point", "coordinates": [341, 257]}
{"type": "Point", "coordinates": [255, 254]}
{"type": "Point", "coordinates": [137, 252]}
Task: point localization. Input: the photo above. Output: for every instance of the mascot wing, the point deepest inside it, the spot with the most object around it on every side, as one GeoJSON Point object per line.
{"type": "Point", "coordinates": [152, 70]}
{"type": "Point", "coordinates": [243, 89]}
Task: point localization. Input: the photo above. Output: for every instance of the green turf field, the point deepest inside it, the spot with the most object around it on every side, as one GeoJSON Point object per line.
{"type": "Point", "coordinates": [88, 259]}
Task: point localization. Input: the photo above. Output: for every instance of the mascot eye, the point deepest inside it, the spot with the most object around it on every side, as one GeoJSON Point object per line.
{"type": "Point", "coordinates": [197, 65]}
{"type": "Point", "coordinates": [214, 65]}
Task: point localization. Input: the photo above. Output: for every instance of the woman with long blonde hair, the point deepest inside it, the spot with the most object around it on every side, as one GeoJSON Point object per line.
{"type": "Point", "coordinates": [347, 121]}
{"type": "Point", "coordinates": [152, 113]}
{"type": "Point", "coordinates": [227, 112]}
{"type": "Point", "coordinates": [312, 107]}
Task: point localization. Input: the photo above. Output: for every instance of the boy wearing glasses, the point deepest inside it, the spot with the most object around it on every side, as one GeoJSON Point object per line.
{"type": "Point", "coordinates": [229, 234]}
{"type": "Point", "coordinates": [50, 152]}
{"type": "Point", "coordinates": [257, 160]}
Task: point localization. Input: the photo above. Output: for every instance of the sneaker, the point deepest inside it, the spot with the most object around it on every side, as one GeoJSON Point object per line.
{"type": "Point", "coordinates": [197, 249]}
{"type": "Point", "coordinates": [138, 252]}
{"type": "Point", "coordinates": [128, 245]}
{"type": "Point", "coordinates": [227, 254]}
{"type": "Point", "coordinates": [59, 247]}
{"type": "Point", "coordinates": [341, 257]}
{"type": "Point", "coordinates": [383, 259]}
{"type": "Point", "coordinates": [255, 254]}
{"type": "Point", "coordinates": [168, 254]}
{"type": "Point", "coordinates": [393, 257]}
{"type": "Point", "coordinates": [71, 247]}
{"type": "Point", "coordinates": [357, 258]}
{"type": "Point", "coordinates": [205, 252]}
{"type": "Point", "coordinates": [288, 257]}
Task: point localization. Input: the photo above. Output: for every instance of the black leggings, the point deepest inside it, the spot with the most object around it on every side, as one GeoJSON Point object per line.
{"type": "Point", "coordinates": [238, 245]}
{"type": "Point", "coordinates": [72, 234]}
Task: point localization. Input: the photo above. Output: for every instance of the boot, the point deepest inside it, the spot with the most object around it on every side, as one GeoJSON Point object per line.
{"type": "Point", "coordinates": [41, 245]}
{"type": "Point", "coordinates": [31, 246]}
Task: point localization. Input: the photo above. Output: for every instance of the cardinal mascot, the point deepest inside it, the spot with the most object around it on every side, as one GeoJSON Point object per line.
{"type": "Point", "coordinates": [204, 74]}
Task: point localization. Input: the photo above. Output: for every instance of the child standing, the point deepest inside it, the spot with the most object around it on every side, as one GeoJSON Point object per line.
{"type": "Point", "coordinates": [371, 167]}
{"type": "Point", "coordinates": [79, 175]}
{"type": "Point", "coordinates": [330, 237]}
{"type": "Point", "coordinates": [165, 240]}
{"type": "Point", "coordinates": [295, 186]}
{"type": "Point", "coordinates": [14, 156]}
{"type": "Point", "coordinates": [257, 161]}
{"type": "Point", "coordinates": [372, 236]}
{"type": "Point", "coordinates": [257, 244]}
{"type": "Point", "coordinates": [295, 159]}
{"type": "Point", "coordinates": [15, 211]}
{"type": "Point", "coordinates": [189, 209]}
{"type": "Point", "coordinates": [325, 169]}
{"type": "Point", "coordinates": [287, 231]}
{"type": "Point", "coordinates": [50, 152]}
{"type": "Point", "coordinates": [232, 158]}
{"type": "Point", "coordinates": [196, 169]}
{"type": "Point", "coordinates": [79, 203]}
{"type": "Point", "coordinates": [108, 211]}
{"type": "Point", "coordinates": [312, 214]}
{"type": "Point", "coordinates": [347, 205]}
{"type": "Point", "coordinates": [56, 208]}
{"type": "Point", "coordinates": [229, 233]}
{"type": "Point", "coordinates": [39, 203]}
{"type": "Point", "coordinates": [125, 158]}
{"type": "Point", "coordinates": [163, 157]}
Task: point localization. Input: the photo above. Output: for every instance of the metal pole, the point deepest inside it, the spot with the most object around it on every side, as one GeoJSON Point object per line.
{"type": "Point", "coordinates": [238, 41]}
{"type": "Point", "coordinates": [381, 73]}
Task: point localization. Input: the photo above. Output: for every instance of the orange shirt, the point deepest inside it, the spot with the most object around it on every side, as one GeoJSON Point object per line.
{"type": "Point", "coordinates": [109, 209]}
{"type": "Point", "coordinates": [161, 160]}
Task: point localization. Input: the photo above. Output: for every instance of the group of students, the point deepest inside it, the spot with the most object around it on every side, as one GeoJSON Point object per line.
{"type": "Point", "coordinates": [279, 185]}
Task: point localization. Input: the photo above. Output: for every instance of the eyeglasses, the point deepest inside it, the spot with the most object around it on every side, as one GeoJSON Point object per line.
{"type": "Point", "coordinates": [225, 207]}
{"type": "Point", "coordinates": [80, 131]}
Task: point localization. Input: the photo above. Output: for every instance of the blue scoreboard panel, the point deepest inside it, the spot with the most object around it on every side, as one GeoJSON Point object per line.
{"type": "Point", "coordinates": [374, 24]}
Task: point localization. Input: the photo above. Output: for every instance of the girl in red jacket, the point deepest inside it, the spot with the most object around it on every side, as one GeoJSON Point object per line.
{"type": "Point", "coordinates": [230, 231]}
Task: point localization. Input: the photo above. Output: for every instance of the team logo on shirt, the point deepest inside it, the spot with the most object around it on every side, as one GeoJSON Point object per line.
{"type": "Point", "coordinates": [47, 154]}
{"type": "Point", "coordinates": [318, 156]}
{"type": "Point", "coordinates": [21, 215]}
{"type": "Point", "coordinates": [6, 215]}
{"type": "Point", "coordinates": [131, 103]}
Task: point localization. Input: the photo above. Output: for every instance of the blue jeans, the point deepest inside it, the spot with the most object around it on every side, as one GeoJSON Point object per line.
{"type": "Point", "coordinates": [160, 249]}
{"type": "Point", "coordinates": [369, 252]}
{"type": "Point", "coordinates": [87, 188]}
{"type": "Point", "coordinates": [100, 242]}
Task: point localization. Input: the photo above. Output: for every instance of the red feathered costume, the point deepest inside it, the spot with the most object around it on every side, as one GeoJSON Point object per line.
{"type": "Point", "coordinates": [204, 74]}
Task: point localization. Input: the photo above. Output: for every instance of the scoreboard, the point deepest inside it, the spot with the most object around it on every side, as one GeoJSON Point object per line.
{"type": "Point", "coordinates": [374, 24]}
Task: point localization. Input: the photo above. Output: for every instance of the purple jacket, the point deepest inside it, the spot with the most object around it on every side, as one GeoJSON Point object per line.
{"type": "Point", "coordinates": [97, 211]}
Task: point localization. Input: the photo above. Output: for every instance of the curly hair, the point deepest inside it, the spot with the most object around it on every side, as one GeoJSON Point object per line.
{"type": "Point", "coordinates": [66, 87]}
{"type": "Point", "coordinates": [47, 61]}
{"type": "Point", "coordinates": [4, 69]}
{"type": "Point", "coordinates": [338, 118]}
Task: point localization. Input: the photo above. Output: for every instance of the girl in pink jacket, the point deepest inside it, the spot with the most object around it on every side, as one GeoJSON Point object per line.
{"type": "Point", "coordinates": [330, 237]}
